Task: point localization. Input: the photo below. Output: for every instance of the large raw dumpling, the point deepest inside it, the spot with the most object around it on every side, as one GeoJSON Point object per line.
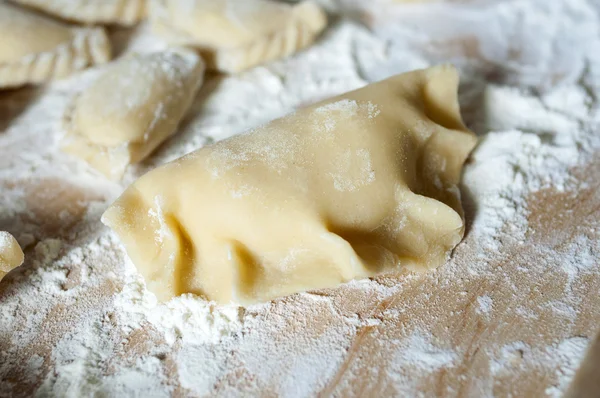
{"type": "Point", "coordinates": [348, 188]}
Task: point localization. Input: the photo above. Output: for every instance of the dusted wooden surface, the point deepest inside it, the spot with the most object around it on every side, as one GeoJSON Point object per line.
{"type": "Point", "coordinates": [443, 302]}
{"type": "Point", "coordinates": [510, 349]}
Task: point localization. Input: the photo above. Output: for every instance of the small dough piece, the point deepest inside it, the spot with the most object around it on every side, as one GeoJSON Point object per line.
{"type": "Point", "coordinates": [234, 35]}
{"type": "Point", "coordinates": [348, 188]}
{"type": "Point", "coordinates": [132, 108]}
{"type": "Point", "coordinates": [35, 49]}
{"type": "Point", "coordinates": [122, 12]}
{"type": "Point", "coordinates": [11, 255]}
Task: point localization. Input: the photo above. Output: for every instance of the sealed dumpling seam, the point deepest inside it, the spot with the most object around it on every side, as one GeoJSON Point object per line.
{"type": "Point", "coordinates": [236, 35]}
{"type": "Point", "coordinates": [308, 22]}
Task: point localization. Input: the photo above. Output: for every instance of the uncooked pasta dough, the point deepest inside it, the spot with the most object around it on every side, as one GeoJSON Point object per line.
{"type": "Point", "coordinates": [234, 35]}
{"type": "Point", "coordinates": [122, 12]}
{"type": "Point", "coordinates": [133, 107]}
{"type": "Point", "coordinates": [360, 184]}
{"type": "Point", "coordinates": [35, 49]}
{"type": "Point", "coordinates": [11, 255]}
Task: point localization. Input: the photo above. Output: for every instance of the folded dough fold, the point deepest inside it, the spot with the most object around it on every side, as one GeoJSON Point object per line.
{"type": "Point", "coordinates": [132, 108]}
{"type": "Point", "coordinates": [234, 35]}
{"type": "Point", "coordinates": [122, 12]}
{"type": "Point", "coordinates": [34, 49]}
{"type": "Point", "coordinates": [360, 184]}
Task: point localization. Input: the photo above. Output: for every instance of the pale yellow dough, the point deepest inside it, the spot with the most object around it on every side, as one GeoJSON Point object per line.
{"type": "Point", "coordinates": [35, 49]}
{"type": "Point", "coordinates": [132, 108]}
{"type": "Point", "coordinates": [122, 12]}
{"type": "Point", "coordinates": [234, 35]}
{"type": "Point", "coordinates": [348, 188]}
{"type": "Point", "coordinates": [11, 255]}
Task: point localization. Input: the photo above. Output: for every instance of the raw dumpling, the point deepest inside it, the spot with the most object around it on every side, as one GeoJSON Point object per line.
{"type": "Point", "coordinates": [11, 255]}
{"type": "Point", "coordinates": [234, 35]}
{"type": "Point", "coordinates": [348, 188]}
{"type": "Point", "coordinates": [132, 108]}
{"type": "Point", "coordinates": [122, 12]}
{"type": "Point", "coordinates": [35, 49]}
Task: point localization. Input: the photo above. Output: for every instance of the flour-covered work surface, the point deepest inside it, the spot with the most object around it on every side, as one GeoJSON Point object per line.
{"type": "Point", "coordinates": [511, 313]}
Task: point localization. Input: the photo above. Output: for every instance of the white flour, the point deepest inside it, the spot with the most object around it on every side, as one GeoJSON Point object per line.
{"type": "Point", "coordinates": [184, 317]}
{"type": "Point", "coordinates": [114, 339]}
{"type": "Point", "coordinates": [485, 304]}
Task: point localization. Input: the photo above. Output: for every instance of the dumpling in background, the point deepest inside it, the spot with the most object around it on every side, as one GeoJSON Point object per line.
{"type": "Point", "coordinates": [234, 35]}
{"type": "Point", "coordinates": [35, 49]}
{"type": "Point", "coordinates": [11, 255]}
{"type": "Point", "coordinates": [348, 188]}
{"type": "Point", "coordinates": [122, 12]}
{"type": "Point", "coordinates": [132, 108]}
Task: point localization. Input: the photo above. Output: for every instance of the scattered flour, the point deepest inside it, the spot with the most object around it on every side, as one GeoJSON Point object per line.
{"type": "Point", "coordinates": [186, 317]}
{"type": "Point", "coordinates": [566, 356]}
{"type": "Point", "coordinates": [562, 358]}
{"type": "Point", "coordinates": [76, 319]}
{"type": "Point", "coordinates": [417, 351]}
{"type": "Point", "coordinates": [485, 304]}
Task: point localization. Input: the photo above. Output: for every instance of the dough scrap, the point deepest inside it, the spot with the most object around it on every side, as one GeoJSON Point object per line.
{"type": "Point", "coordinates": [11, 255]}
{"type": "Point", "coordinates": [122, 12]}
{"type": "Point", "coordinates": [132, 108]}
{"type": "Point", "coordinates": [356, 185]}
{"type": "Point", "coordinates": [35, 49]}
{"type": "Point", "coordinates": [234, 35]}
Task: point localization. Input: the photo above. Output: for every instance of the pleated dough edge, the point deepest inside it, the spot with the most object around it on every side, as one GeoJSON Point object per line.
{"type": "Point", "coordinates": [89, 46]}
{"type": "Point", "coordinates": [309, 21]}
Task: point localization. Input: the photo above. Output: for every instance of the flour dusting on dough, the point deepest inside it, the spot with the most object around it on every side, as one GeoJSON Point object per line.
{"type": "Point", "coordinates": [354, 170]}
{"type": "Point", "coordinates": [156, 213]}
